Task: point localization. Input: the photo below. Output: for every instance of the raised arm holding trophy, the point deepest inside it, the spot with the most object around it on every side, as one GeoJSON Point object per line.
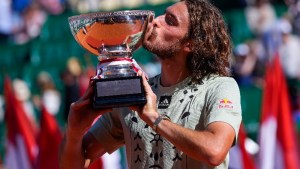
{"type": "Point", "coordinates": [113, 36]}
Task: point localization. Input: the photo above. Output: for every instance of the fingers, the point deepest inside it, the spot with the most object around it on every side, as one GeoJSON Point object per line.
{"type": "Point", "coordinates": [83, 103]}
{"type": "Point", "coordinates": [140, 73]}
{"type": "Point", "coordinates": [102, 111]}
{"type": "Point", "coordinates": [84, 108]}
{"type": "Point", "coordinates": [87, 104]}
{"type": "Point", "coordinates": [146, 85]}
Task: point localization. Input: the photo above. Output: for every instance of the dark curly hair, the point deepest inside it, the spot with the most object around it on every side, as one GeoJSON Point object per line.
{"type": "Point", "coordinates": [211, 42]}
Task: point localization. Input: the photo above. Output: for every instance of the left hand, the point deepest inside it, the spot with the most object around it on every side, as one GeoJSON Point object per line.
{"type": "Point", "coordinates": [147, 112]}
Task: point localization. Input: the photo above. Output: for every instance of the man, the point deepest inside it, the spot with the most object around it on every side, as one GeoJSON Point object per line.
{"type": "Point", "coordinates": [193, 112]}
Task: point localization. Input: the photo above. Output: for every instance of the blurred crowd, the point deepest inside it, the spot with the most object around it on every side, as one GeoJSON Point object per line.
{"type": "Point", "coordinates": [21, 20]}
{"type": "Point", "coordinates": [273, 35]}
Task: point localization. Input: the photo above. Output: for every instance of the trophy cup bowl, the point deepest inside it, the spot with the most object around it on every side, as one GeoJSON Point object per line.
{"type": "Point", "coordinates": [113, 37]}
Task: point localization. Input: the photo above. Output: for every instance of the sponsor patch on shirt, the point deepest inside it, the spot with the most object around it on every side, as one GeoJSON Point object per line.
{"type": "Point", "coordinates": [164, 102]}
{"type": "Point", "coordinates": [225, 103]}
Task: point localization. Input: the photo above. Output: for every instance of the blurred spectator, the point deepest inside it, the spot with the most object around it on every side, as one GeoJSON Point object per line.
{"type": "Point", "coordinates": [34, 18]}
{"type": "Point", "coordinates": [244, 65]}
{"type": "Point", "coordinates": [260, 16]}
{"type": "Point", "coordinates": [85, 77]}
{"type": "Point", "coordinates": [249, 61]}
{"type": "Point", "coordinates": [294, 13]}
{"type": "Point", "coordinates": [70, 79]}
{"type": "Point", "coordinates": [50, 97]}
{"type": "Point", "coordinates": [289, 53]}
{"type": "Point", "coordinates": [23, 95]}
{"type": "Point", "coordinates": [5, 19]}
{"type": "Point", "coordinates": [10, 21]}
{"type": "Point", "coordinates": [289, 50]}
{"type": "Point", "coordinates": [84, 6]}
{"type": "Point", "coordinates": [54, 7]}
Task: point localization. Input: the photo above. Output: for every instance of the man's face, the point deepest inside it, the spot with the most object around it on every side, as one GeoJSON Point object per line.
{"type": "Point", "coordinates": [166, 33]}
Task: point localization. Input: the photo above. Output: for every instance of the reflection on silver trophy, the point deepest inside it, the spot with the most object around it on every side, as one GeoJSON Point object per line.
{"type": "Point", "coordinates": [113, 36]}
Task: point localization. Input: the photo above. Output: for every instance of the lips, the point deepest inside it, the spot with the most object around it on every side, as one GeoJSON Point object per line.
{"type": "Point", "coordinates": [153, 34]}
{"type": "Point", "coordinates": [149, 31]}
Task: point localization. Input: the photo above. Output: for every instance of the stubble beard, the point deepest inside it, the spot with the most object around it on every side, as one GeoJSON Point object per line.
{"type": "Point", "coordinates": [160, 49]}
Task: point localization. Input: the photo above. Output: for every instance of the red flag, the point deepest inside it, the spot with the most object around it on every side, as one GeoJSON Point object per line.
{"type": "Point", "coordinates": [240, 158]}
{"type": "Point", "coordinates": [98, 164]}
{"type": "Point", "coordinates": [248, 161]}
{"type": "Point", "coordinates": [49, 140]}
{"type": "Point", "coordinates": [21, 149]}
{"type": "Point", "coordinates": [278, 145]}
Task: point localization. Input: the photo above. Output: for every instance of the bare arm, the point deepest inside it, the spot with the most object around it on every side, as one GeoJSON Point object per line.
{"type": "Point", "coordinates": [71, 153]}
{"type": "Point", "coordinates": [209, 146]}
{"type": "Point", "coordinates": [78, 145]}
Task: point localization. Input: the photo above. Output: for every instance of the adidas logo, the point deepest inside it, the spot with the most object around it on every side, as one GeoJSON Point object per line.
{"type": "Point", "coordinates": [164, 102]}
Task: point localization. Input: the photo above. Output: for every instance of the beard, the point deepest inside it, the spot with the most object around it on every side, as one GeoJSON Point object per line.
{"type": "Point", "coordinates": [161, 49]}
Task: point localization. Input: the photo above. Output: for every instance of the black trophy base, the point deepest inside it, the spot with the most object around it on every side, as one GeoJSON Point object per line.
{"type": "Point", "coordinates": [118, 92]}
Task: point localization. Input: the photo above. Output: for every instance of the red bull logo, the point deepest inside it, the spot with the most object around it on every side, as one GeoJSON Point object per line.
{"type": "Point", "coordinates": [225, 103]}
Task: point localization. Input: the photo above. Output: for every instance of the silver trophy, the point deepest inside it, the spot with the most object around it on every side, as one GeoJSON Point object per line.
{"type": "Point", "coordinates": [113, 37]}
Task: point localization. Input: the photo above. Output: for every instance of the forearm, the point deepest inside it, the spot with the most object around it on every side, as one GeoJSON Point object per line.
{"type": "Point", "coordinates": [77, 145]}
{"type": "Point", "coordinates": [71, 152]}
{"type": "Point", "coordinates": [205, 146]}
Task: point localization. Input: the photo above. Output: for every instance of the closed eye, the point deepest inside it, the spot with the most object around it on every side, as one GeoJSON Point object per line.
{"type": "Point", "coordinates": [170, 19]}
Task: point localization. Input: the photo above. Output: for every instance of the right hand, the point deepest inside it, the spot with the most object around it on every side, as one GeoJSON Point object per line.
{"type": "Point", "coordinates": [82, 114]}
{"type": "Point", "coordinates": [147, 112]}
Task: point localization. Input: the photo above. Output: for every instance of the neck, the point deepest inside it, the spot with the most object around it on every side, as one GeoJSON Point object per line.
{"type": "Point", "coordinates": [173, 72]}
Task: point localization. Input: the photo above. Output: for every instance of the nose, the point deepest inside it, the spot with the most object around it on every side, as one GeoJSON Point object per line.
{"type": "Point", "coordinates": [156, 20]}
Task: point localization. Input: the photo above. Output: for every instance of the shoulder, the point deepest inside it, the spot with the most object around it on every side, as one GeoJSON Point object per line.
{"type": "Point", "coordinates": [220, 85]}
{"type": "Point", "coordinates": [216, 81]}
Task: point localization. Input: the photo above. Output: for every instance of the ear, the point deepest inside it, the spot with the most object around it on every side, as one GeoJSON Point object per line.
{"type": "Point", "coordinates": [188, 46]}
